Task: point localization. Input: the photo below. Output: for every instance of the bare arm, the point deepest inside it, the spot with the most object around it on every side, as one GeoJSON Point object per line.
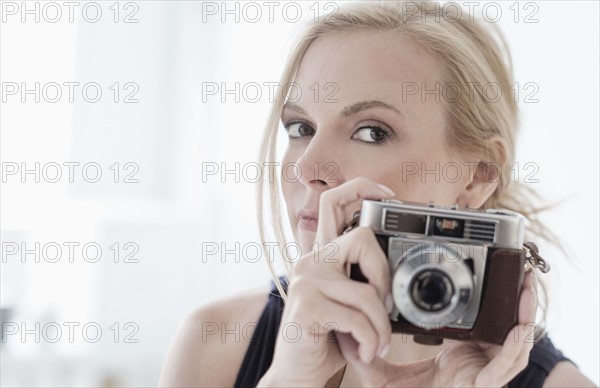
{"type": "Point", "coordinates": [199, 355]}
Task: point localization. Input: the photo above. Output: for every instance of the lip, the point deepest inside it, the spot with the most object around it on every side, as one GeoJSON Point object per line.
{"type": "Point", "coordinates": [308, 219]}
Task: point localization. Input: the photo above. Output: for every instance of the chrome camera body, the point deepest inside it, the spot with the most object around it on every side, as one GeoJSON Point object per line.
{"type": "Point", "coordinates": [456, 273]}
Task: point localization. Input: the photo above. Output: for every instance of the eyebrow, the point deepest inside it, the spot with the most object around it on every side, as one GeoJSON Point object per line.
{"type": "Point", "coordinates": [350, 109]}
{"type": "Point", "coordinates": [364, 105]}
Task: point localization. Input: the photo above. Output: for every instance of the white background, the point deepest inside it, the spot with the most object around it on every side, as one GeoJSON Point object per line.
{"type": "Point", "coordinates": [171, 133]}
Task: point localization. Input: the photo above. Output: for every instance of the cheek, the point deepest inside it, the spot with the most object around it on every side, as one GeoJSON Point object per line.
{"type": "Point", "coordinates": [291, 187]}
{"type": "Point", "coordinates": [420, 187]}
{"type": "Point", "coordinates": [286, 171]}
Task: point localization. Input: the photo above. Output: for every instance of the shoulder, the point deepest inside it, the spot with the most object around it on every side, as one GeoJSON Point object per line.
{"type": "Point", "coordinates": [561, 372]}
{"type": "Point", "coordinates": [565, 374]}
{"type": "Point", "coordinates": [210, 343]}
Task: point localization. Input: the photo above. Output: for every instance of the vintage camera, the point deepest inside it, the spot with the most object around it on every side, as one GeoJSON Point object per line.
{"type": "Point", "coordinates": [456, 273]}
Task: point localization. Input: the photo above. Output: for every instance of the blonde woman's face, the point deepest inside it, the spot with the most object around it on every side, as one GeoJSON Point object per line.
{"type": "Point", "coordinates": [356, 116]}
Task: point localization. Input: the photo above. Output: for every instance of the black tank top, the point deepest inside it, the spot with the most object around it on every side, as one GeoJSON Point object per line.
{"type": "Point", "coordinates": [542, 358]}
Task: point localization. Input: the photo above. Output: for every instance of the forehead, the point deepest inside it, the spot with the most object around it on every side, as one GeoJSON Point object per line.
{"type": "Point", "coordinates": [371, 63]}
{"type": "Point", "coordinates": [346, 68]}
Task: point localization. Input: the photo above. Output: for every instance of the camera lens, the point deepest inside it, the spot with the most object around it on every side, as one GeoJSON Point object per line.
{"type": "Point", "coordinates": [432, 290]}
{"type": "Point", "coordinates": [432, 284]}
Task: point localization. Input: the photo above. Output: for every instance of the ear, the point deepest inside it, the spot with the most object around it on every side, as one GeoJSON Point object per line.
{"type": "Point", "coordinates": [485, 176]}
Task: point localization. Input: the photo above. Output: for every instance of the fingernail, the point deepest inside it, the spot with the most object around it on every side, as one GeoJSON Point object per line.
{"type": "Point", "coordinates": [389, 303]}
{"type": "Point", "coordinates": [384, 352]}
{"type": "Point", "coordinates": [386, 189]}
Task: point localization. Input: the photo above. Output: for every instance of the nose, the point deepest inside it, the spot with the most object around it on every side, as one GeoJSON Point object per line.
{"type": "Point", "coordinates": [318, 167]}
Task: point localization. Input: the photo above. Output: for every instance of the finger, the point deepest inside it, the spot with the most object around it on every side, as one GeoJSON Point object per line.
{"type": "Point", "coordinates": [347, 320]}
{"type": "Point", "coordinates": [362, 297]}
{"type": "Point", "coordinates": [509, 361]}
{"type": "Point", "coordinates": [361, 247]}
{"type": "Point", "coordinates": [375, 373]}
{"type": "Point", "coordinates": [349, 349]}
{"type": "Point", "coordinates": [522, 341]}
{"type": "Point", "coordinates": [333, 203]}
{"type": "Point", "coordinates": [528, 305]}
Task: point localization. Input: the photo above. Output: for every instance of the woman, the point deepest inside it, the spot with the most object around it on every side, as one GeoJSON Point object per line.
{"type": "Point", "coordinates": [400, 86]}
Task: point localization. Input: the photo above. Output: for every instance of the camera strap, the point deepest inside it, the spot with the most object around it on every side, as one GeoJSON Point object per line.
{"type": "Point", "coordinates": [534, 258]}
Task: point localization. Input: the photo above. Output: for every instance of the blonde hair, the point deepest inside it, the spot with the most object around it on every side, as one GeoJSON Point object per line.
{"type": "Point", "coordinates": [468, 53]}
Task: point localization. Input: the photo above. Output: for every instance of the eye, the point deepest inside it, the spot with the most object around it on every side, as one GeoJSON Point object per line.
{"type": "Point", "coordinates": [371, 134]}
{"type": "Point", "coordinates": [299, 129]}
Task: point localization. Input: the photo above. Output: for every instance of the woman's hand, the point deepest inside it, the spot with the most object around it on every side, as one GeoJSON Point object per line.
{"type": "Point", "coordinates": [465, 364]}
{"type": "Point", "coordinates": [322, 299]}
{"type": "Point", "coordinates": [330, 319]}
